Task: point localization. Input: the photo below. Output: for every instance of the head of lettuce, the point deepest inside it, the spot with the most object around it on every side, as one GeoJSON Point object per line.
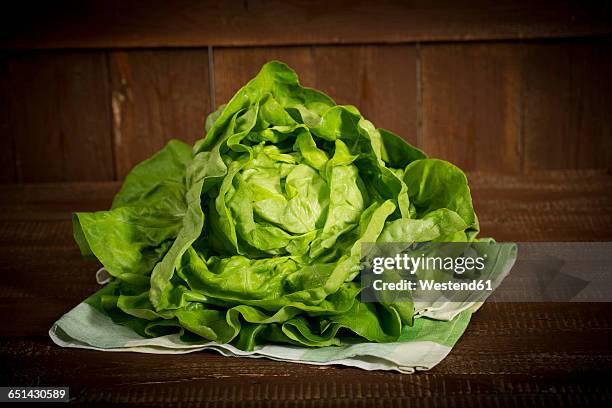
{"type": "Point", "coordinates": [253, 235]}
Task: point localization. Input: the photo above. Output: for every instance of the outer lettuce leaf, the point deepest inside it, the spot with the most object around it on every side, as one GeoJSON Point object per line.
{"type": "Point", "coordinates": [145, 218]}
{"type": "Point", "coordinates": [254, 235]}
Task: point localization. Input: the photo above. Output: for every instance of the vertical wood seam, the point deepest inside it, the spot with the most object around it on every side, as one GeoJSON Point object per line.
{"type": "Point", "coordinates": [16, 152]}
{"type": "Point", "coordinates": [211, 78]}
{"type": "Point", "coordinates": [522, 106]}
{"type": "Point", "coordinates": [575, 116]}
{"type": "Point", "coordinates": [419, 97]}
{"type": "Point", "coordinates": [60, 114]}
{"type": "Point", "coordinates": [111, 118]}
{"type": "Point", "coordinates": [17, 177]}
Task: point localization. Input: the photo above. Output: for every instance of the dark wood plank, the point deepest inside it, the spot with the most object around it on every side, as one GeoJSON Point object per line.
{"type": "Point", "coordinates": [35, 219]}
{"type": "Point", "coordinates": [566, 109]}
{"type": "Point", "coordinates": [60, 116]}
{"type": "Point", "coordinates": [8, 165]}
{"type": "Point", "coordinates": [189, 23]}
{"type": "Point", "coordinates": [157, 96]}
{"type": "Point", "coordinates": [511, 354]}
{"type": "Point", "coordinates": [53, 201]}
{"type": "Point", "coordinates": [40, 288]}
{"type": "Point", "coordinates": [545, 206]}
{"type": "Point", "coordinates": [471, 105]}
{"type": "Point", "coordinates": [234, 67]}
{"type": "Point", "coordinates": [545, 354]}
{"type": "Point", "coordinates": [379, 80]}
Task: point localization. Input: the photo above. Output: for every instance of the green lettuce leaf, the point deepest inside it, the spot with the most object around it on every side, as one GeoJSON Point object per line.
{"type": "Point", "coordinates": [254, 235]}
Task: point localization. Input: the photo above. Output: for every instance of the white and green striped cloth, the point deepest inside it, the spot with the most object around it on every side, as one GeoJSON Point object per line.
{"type": "Point", "coordinates": [421, 346]}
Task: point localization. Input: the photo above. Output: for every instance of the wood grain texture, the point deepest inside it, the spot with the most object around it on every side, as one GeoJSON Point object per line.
{"type": "Point", "coordinates": [498, 107]}
{"type": "Point", "coordinates": [544, 354]}
{"type": "Point", "coordinates": [27, 280]}
{"type": "Point", "coordinates": [476, 373]}
{"type": "Point", "coordinates": [379, 80]}
{"type": "Point", "coordinates": [156, 96]}
{"type": "Point", "coordinates": [511, 353]}
{"type": "Point", "coordinates": [545, 206]}
{"type": "Point", "coordinates": [470, 108]}
{"type": "Point", "coordinates": [188, 23]}
{"type": "Point", "coordinates": [8, 168]}
{"type": "Point", "coordinates": [47, 202]}
{"type": "Point", "coordinates": [234, 67]}
{"type": "Point", "coordinates": [59, 116]}
{"type": "Point", "coordinates": [566, 105]}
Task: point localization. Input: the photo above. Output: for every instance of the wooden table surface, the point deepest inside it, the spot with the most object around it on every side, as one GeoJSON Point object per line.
{"type": "Point", "coordinates": [545, 354]}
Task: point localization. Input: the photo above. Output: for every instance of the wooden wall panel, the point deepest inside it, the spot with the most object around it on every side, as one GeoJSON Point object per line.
{"type": "Point", "coordinates": [471, 105]}
{"type": "Point", "coordinates": [8, 173]}
{"type": "Point", "coordinates": [156, 96]}
{"type": "Point", "coordinates": [567, 108]}
{"type": "Point", "coordinates": [59, 116]}
{"type": "Point", "coordinates": [234, 67]}
{"type": "Point", "coordinates": [491, 107]}
{"type": "Point", "coordinates": [379, 80]}
{"type": "Point", "coordinates": [189, 23]}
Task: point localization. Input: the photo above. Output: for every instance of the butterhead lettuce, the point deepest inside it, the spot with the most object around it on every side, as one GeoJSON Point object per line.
{"type": "Point", "coordinates": [253, 235]}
